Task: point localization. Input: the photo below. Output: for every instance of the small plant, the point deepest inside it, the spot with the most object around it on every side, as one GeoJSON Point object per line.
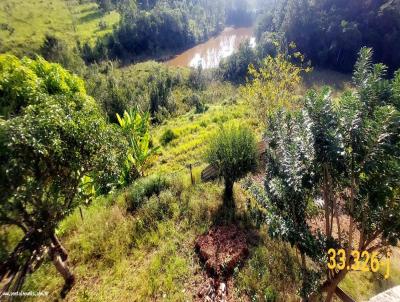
{"type": "Point", "coordinates": [102, 25]}
{"type": "Point", "coordinates": [167, 137]}
{"type": "Point", "coordinates": [270, 295]}
{"type": "Point", "coordinates": [201, 108]}
{"type": "Point", "coordinates": [145, 188]}
{"type": "Point", "coordinates": [233, 151]}
{"type": "Point", "coordinates": [196, 101]}
{"type": "Point", "coordinates": [136, 128]}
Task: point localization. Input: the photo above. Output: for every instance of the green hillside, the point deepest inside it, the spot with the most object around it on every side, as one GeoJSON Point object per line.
{"type": "Point", "coordinates": [150, 253]}
{"type": "Point", "coordinates": [23, 24]}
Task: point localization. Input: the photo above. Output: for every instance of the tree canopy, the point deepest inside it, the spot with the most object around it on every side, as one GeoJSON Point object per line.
{"type": "Point", "coordinates": [331, 32]}
{"type": "Point", "coordinates": [233, 151]}
{"type": "Point", "coordinates": [52, 135]}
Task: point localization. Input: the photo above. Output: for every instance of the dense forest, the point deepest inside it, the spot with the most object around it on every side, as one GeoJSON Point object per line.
{"type": "Point", "coordinates": [273, 176]}
{"type": "Point", "coordinates": [331, 32]}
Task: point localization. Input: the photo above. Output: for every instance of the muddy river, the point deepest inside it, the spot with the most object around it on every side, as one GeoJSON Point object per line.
{"type": "Point", "coordinates": [210, 53]}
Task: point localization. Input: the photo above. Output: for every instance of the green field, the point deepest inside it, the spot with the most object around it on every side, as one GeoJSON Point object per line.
{"type": "Point", "coordinates": [23, 24]}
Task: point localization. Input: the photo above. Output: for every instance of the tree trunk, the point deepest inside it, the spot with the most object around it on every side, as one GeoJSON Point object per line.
{"type": "Point", "coordinates": [59, 247]}
{"type": "Point", "coordinates": [326, 202]}
{"type": "Point", "coordinates": [303, 260]}
{"type": "Point", "coordinates": [330, 285]}
{"type": "Point", "coordinates": [330, 293]}
{"type": "Point", "coordinates": [331, 288]}
{"type": "Point", "coordinates": [228, 195]}
{"type": "Point", "coordinates": [352, 194]}
{"type": "Point", "coordinates": [57, 254]}
{"type": "Point", "coordinates": [338, 222]}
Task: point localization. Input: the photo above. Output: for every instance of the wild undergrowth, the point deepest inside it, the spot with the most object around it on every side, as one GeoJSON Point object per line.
{"type": "Point", "coordinates": [115, 252]}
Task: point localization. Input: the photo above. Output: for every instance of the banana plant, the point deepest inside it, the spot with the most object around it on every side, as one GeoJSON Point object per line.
{"type": "Point", "coordinates": [136, 127]}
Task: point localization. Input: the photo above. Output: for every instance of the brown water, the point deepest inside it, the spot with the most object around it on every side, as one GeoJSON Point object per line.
{"type": "Point", "coordinates": [210, 53]}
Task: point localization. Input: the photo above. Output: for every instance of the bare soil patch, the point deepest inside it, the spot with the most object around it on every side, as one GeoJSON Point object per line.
{"type": "Point", "coordinates": [221, 249]}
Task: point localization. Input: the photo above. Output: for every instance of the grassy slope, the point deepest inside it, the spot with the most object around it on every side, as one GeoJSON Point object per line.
{"type": "Point", "coordinates": [193, 129]}
{"type": "Point", "coordinates": [149, 256]}
{"type": "Point", "coordinates": [30, 20]}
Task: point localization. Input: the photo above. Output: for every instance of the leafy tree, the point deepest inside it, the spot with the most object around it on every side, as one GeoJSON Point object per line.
{"type": "Point", "coordinates": [238, 12]}
{"type": "Point", "coordinates": [197, 79]}
{"type": "Point", "coordinates": [147, 4]}
{"type": "Point", "coordinates": [52, 135]}
{"type": "Point", "coordinates": [235, 68]}
{"type": "Point", "coordinates": [109, 5]}
{"type": "Point", "coordinates": [273, 85]}
{"type": "Point", "coordinates": [57, 51]}
{"type": "Point", "coordinates": [233, 151]}
{"type": "Point", "coordinates": [136, 127]}
{"type": "Point", "coordinates": [345, 153]}
{"type": "Point", "coordinates": [112, 89]}
{"type": "Point", "coordinates": [159, 95]}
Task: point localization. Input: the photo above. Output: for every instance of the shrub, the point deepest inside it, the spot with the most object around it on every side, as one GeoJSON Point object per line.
{"type": "Point", "coordinates": [55, 50]}
{"type": "Point", "coordinates": [136, 128]}
{"type": "Point", "coordinates": [143, 189]}
{"type": "Point", "coordinates": [197, 79]}
{"type": "Point", "coordinates": [270, 295]}
{"type": "Point", "coordinates": [201, 108]}
{"type": "Point", "coordinates": [233, 151]}
{"type": "Point", "coordinates": [273, 85]}
{"type": "Point", "coordinates": [102, 25]}
{"type": "Point", "coordinates": [235, 67]}
{"type": "Point", "coordinates": [168, 136]}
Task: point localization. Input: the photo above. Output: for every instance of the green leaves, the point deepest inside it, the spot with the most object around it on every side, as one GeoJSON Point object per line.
{"type": "Point", "coordinates": [233, 151]}
{"type": "Point", "coordinates": [331, 148]}
{"type": "Point", "coordinates": [25, 82]}
{"type": "Point", "coordinates": [363, 67]}
{"type": "Point", "coordinates": [136, 128]}
{"type": "Point", "coordinates": [53, 136]}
